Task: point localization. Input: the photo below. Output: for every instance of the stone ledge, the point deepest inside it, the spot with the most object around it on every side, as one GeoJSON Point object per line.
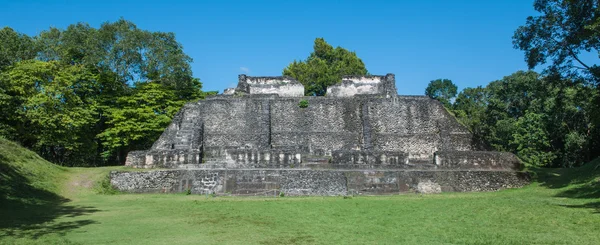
{"type": "Point", "coordinates": [314, 182]}
{"type": "Point", "coordinates": [490, 160]}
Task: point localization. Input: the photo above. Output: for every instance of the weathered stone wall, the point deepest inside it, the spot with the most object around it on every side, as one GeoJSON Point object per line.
{"type": "Point", "coordinates": [282, 86]}
{"type": "Point", "coordinates": [267, 130]}
{"type": "Point", "coordinates": [314, 182]}
{"type": "Point", "coordinates": [477, 160]}
{"type": "Point", "coordinates": [322, 127]}
{"type": "Point", "coordinates": [416, 125]}
{"type": "Point", "coordinates": [364, 85]}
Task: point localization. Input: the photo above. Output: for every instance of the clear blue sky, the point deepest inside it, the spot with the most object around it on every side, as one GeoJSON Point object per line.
{"type": "Point", "coordinates": [468, 41]}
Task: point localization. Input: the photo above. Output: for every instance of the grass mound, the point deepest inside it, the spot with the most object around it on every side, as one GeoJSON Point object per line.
{"type": "Point", "coordinates": [30, 198]}
{"type": "Point", "coordinates": [26, 178]}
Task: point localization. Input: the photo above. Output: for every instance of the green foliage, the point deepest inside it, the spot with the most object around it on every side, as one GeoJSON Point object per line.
{"type": "Point", "coordinates": [532, 141]}
{"type": "Point", "coordinates": [303, 103]}
{"type": "Point", "coordinates": [324, 67]}
{"type": "Point", "coordinates": [281, 194]}
{"type": "Point", "coordinates": [563, 30]}
{"type": "Point", "coordinates": [125, 52]}
{"type": "Point", "coordinates": [443, 90]}
{"type": "Point", "coordinates": [557, 38]}
{"type": "Point", "coordinates": [15, 47]}
{"type": "Point", "coordinates": [51, 107]}
{"type": "Point", "coordinates": [138, 119]}
{"type": "Point", "coordinates": [104, 187]}
{"type": "Point", "coordinates": [546, 121]}
{"type": "Point", "coordinates": [469, 109]}
{"type": "Point", "coordinates": [84, 96]}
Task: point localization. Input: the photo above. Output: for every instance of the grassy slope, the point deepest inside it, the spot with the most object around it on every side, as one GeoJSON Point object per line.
{"type": "Point", "coordinates": [562, 207]}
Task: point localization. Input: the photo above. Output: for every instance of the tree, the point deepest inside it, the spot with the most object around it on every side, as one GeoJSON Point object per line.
{"type": "Point", "coordinates": [15, 47]}
{"type": "Point", "coordinates": [564, 30]}
{"type": "Point", "coordinates": [545, 120]}
{"type": "Point", "coordinates": [138, 119]}
{"type": "Point", "coordinates": [324, 67]}
{"type": "Point", "coordinates": [84, 96]}
{"type": "Point", "coordinates": [51, 108]}
{"type": "Point", "coordinates": [531, 140]}
{"type": "Point", "coordinates": [469, 108]}
{"type": "Point", "coordinates": [123, 54]}
{"type": "Point", "coordinates": [441, 89]}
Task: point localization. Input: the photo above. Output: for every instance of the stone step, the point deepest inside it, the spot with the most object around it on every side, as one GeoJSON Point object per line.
{"type": "Point", "coordinates": [316, 160]}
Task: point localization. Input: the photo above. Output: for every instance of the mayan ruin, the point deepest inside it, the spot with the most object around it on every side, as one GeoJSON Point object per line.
{"type": "Point", "coordinates": [265, 137]}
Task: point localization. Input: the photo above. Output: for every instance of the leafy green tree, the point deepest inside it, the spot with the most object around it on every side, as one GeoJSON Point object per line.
{"type": "Point", "coordinates": [51, 107]}
{"type": "Point", "coordinates": [138, 119]}
{"type": "Point", "coordinates": [15, 47]}
{"type": "Point", "coordinates": [324, 67]}
{"type": "Point", "coordinates": [469, 108]}
{"type": "Point", "coordinates": [517, 92]}
{"type": "Point", "coordinates": [531, 140]}
{"type": "Point", "coordinates": [563, 30]}
{"type": "Point", "coordinates": [545, 120]}
{"type": "Point", "coordinates": [122, 52]}
{"type": "Point", "coordinates": [443, 90]}
{"type": "Point", "coordinates": [67, 93]}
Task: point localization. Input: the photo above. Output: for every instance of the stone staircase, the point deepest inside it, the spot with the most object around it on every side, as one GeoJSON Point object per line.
{"type": "Point", "coordinates": [188, 131]}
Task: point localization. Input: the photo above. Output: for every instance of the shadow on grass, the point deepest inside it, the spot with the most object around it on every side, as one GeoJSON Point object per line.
{"type": "Point", "coordinates": [578, 183]}
{"type": "Point", "coordinates": [556, 178]}
{"type": "Point", "coordinates": [589, 205]}
{"type": "Point", "coordinates": [30, 211]}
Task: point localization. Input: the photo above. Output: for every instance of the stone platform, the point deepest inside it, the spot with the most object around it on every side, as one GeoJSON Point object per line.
{"type": "Point", "coordinates": [294, 182]}
{"type": "Point", "coordinates": [265, 137]}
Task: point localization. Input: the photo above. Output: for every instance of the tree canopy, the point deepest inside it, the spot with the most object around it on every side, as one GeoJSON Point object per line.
{"type": "Point", "coordinates": [443, 90]}
{"type": "Point", "coordinates": [123, 52]}
{"type": "Point", "coordinates": [324, 67]}
{"type": "Point", "coordinates": [15, 47]}
{"type": "Point", "coordinates": [545, 120]}
{"type": "Point", "coordinates": [561, 36]}
{"type": "Point", "coordinates": [564, 30]}
{"type": "Point", "coordinates": [84, 96]}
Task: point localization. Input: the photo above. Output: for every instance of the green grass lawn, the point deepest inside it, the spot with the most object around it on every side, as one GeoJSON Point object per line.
{"type": "Point", "coordinates": [562, 207]}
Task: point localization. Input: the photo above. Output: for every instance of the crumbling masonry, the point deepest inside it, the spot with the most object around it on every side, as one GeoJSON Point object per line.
{"type": "Point", "coordinates": [361, 138]}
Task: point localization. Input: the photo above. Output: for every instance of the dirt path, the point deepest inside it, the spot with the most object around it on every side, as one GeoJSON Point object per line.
{"type": "Point", "coordinates": [78, 181]}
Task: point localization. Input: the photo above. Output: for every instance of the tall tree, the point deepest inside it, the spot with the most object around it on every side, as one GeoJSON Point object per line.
{"type": "Point", "coordinates": [469, 108]}
{"type": "Point", "coordinates": [443, 90]}
{"type": "Point", "coordinates": [545, 120]}
{"type": "Point", "coordinates": [324, 67]}
{"type": "Point", "coordinates": [15, 47]}
{"type": "Point", "coordinates": [532, 141]}
{"type": "Point", "coordinates": [51, 108]}
{"type": "Point", "coordinates": [138, 119]}
{"type": "Point", "coordinates": [564, 30]}
{"type": "Point", "coordinates": [85, 96]}
{"type": "Point", "coordinates": [124, 53]}
{"type": "Point", "coordinates": [566, 34]}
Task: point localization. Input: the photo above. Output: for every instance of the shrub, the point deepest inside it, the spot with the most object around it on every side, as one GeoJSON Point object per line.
{"type": "Point", "coordinates": [303, 104]}
{"type": "Point", "coordinates": [105, 187]}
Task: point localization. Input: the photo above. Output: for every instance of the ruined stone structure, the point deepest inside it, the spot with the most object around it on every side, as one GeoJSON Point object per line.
{"type": "Point", "coordinates": [362, 138]}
